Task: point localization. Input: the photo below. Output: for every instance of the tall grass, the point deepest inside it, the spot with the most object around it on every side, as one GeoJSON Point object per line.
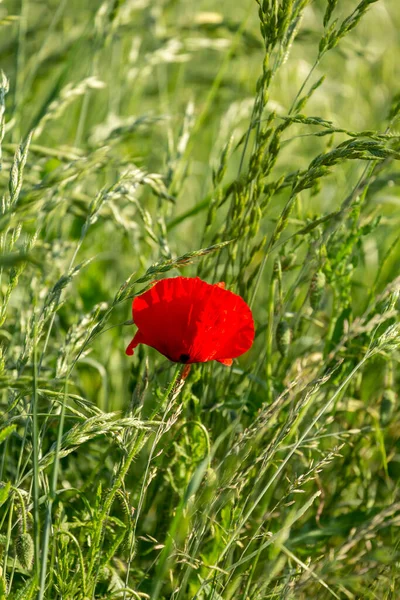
{"type": "Point", "coordinates": [254, 143]}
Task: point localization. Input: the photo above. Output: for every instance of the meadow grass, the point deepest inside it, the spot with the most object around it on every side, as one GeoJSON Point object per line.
{"type": "Point", "coordinates": [251, 142]}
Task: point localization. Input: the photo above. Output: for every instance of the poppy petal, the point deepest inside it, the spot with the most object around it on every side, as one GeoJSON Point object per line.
{"type": "Point", "coordinates": [225, 361]}
{"type": "Point", "coordinates": [138, 339]}
{"type": "Point", "coordinates": [164, 314]}
{"type": "Point", "coordinates": [227, 326]}
{"type": "Point", "coordinates": [189, 320]}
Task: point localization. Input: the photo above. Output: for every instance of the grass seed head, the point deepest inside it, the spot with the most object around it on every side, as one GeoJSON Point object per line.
{"type": "Point", "coordinates": [317, 287]}
{"type": "Point", "coordinates": [283, 337]}
{"type": "Point", "coordinates": [24, 549]}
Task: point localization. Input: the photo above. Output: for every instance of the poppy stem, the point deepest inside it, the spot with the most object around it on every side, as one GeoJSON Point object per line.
{"type": "Point", "coordinates": [185, 371]}
{"type": "Point", "coordinates": [174, 383]}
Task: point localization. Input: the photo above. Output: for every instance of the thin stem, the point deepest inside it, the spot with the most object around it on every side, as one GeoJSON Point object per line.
{"type": "Point", "coordinates": [35, 442]}
{"type": "Point", "coordinates": [303, 85]}
{"type": "Point", "coordinates": [270, 335]}
{"type": "Point", "coordinates": [23, 509]}
{"type": "Point", "coordinates": [52, 496]}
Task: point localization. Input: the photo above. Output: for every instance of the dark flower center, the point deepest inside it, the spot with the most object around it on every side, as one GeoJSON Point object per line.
{"type": "Point", "coordinates": [184, 358]}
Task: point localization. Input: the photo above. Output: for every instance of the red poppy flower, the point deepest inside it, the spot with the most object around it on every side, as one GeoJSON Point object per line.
{"type": "Point", "coordinates": [191, 321]}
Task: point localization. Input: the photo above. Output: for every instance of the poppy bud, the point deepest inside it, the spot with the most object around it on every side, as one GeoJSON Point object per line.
{"type": "Point", "coordinates": [317, 286]}
{"type": "Point", "coordinates": [283, 337]}
{"type": "Point", "coordinates": [24, 550]}
{"type": "Point", "coordinates": [388, 404]}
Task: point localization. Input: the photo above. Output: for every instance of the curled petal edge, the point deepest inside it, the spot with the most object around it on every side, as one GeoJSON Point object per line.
{"type": "Point", "coordinates": [225, 361]}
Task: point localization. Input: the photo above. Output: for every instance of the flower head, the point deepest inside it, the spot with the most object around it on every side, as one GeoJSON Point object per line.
{"type": "Point", "coordinates": [190, 321]}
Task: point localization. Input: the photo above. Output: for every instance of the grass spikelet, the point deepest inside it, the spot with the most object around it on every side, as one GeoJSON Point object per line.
{"type": "Point", "coordinates": [283, 337]}
{"type": "Point", "coordinates": [317, 288]}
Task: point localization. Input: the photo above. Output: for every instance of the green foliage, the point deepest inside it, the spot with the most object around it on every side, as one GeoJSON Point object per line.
{"type": "Point", "coordinates": [257, 146]}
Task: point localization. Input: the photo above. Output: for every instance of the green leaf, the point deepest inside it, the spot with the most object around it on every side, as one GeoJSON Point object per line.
{"type": "Point", "coordinates": [6, 432]}
{"type": "Point", "coordinates": [4, 492]}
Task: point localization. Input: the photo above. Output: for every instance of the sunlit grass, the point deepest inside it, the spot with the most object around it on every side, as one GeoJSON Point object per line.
{"type": "Point", "coordinates": [251, 143]}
